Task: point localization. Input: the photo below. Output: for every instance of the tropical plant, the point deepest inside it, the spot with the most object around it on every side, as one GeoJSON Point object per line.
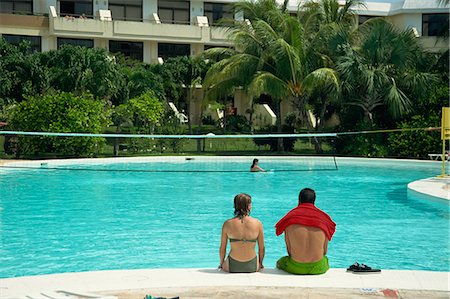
{"type": "Point", "coordinates": [268, 59]}
{"type": "Point", "coordinates": [80, 70]}
{"type": "Point", "coordinates": [60, 112]}
{"type": "Point", "coordinates": [416, 143]}
{"type": "Point", "coordinates": [146, 111]}
{"type": "Point", "coordinates": [379, 68]}
{"type": "Point", "coordinates": [21, 73]}
{"type": "Point", "coordinates": [188, 74]}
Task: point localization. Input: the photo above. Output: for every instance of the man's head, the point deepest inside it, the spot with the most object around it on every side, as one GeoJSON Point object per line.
{"type": "Point", "coordinates": [307, 195]}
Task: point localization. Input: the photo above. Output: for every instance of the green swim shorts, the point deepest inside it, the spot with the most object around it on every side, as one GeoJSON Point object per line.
{"type": "Point", "coordinates": [286, 263]}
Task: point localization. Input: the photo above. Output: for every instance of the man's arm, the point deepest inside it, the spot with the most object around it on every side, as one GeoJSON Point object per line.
{"type": "Point", "coordinates": [325, 246]}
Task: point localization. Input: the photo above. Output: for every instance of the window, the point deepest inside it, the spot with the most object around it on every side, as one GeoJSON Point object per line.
{"type": "Point", "coordinates": [130, 10]}
{"type": "Point", "coordinates": [133, 50]}
{"type": "Point", "coordinates": [76, 8]}
{"type": "Point", "coordinates": [434, 24]}
{"type": "Point", "coordinates": [17, 6]}
{"type": "Point", "coordinates": [217, 11]}
{"type": "Point", "coordinates": [173, 50]}
{"type": "Point", "coordinates": [34, 41]}
{"type": "Point", "coordinates": [172, 11]}
{"type": "Point", "coordinates": [362, 19]}
{"type": "Point", "coordinates": [88, 43]}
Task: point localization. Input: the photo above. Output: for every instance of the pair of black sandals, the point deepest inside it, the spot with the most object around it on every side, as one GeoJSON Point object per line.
{"type": "Point", "coordinates": [362, 268]}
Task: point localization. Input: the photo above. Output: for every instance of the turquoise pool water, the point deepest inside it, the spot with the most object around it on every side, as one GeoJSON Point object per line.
{"type": "Point", "coordinates": [55, 221]}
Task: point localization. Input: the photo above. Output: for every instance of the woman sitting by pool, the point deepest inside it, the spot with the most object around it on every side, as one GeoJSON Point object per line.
{"type": "Point", "coordinates": [243, 232]}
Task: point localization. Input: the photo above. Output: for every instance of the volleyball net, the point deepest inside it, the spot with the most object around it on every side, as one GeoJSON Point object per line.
{"type": "Point", "coordinates": [199, 153]}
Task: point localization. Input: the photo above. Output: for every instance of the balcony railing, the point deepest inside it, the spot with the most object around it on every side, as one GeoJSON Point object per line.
{"type": "Point", "coordinates": [104, 26]}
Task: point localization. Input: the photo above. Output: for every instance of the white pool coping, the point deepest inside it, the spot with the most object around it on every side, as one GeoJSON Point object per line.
{"type": "Point", "coordinates": [435, 187]}
{"type": "Point", "coordinates": [117, 280]}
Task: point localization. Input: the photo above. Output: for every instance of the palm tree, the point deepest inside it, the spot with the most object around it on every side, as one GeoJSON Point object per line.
{"type": "Point", "coordinates": [327, 25]}
{"type": "Point", "coordinates": [268, 59]}
{"type": "Point", "coordinates": [379, 69]}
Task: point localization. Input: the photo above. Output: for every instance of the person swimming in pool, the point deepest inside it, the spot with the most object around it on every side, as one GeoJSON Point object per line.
{"type": "Point", "coordinates": [243, 232]}
{"type": "Point", "coordinates": [255, 167]}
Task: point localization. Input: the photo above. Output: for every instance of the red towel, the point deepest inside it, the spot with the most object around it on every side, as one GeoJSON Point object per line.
{"type": "Point", "coordinates": [307, 214]}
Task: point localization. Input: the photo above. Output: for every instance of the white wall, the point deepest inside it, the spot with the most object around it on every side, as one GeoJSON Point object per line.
{"type": "Point", "coordinates": [196, 9]}
{"type": "Point", "coordinates": [42, 6]}
{"type": "Point", "coordinates": [99, 4]}
{"type": "Point", "coordinates": [48, 43]}
{"type": "Point", "coordinates": [148, 8]}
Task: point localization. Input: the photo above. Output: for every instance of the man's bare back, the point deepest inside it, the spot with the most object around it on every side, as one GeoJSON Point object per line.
{"type": "Point", "coordinates": [305, 244]}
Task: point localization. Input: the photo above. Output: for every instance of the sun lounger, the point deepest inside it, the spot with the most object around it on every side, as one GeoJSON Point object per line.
{"type": "Point", "coordinates": [437, 157]}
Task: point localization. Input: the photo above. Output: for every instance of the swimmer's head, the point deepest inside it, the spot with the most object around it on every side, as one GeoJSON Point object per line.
{"type": "Point", "coordinates": [242, 205]}
{"type": "Point", "coordinates": [255, 161]}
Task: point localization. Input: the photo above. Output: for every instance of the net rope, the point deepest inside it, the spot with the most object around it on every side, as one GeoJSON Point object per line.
{"type": "Point", "coordinates": [308, 163]}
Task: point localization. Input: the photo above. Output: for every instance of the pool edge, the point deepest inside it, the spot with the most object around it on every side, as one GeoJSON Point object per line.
{"type": "Point", "coordinates": [117, 280]}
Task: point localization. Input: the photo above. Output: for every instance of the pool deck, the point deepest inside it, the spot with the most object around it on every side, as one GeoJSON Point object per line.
{"type": "Point", "coordinates": [137, 283]}
{"type": "Point", "coordinates": [436, 187]}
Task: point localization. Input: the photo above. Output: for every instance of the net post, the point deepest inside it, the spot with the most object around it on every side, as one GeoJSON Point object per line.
{"type": "Point", "coordinates": [445, 135]}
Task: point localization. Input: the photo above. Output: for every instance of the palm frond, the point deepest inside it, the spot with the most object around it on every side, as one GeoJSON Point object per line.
{"type": "Point", "coordinates": [267, 83]}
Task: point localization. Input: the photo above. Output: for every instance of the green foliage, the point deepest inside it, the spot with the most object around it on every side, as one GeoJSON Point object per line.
{"type": "Point", "coordinates": [288, 143]}
{"type": "Point", "coordinates": [237, 124]}
{"type": "Point", "coordinates": [417, 144]}
{"type": "Point", "coordinates": [59, 112]}
{"type": "Point", "coordinates": [379, 67]}
{"type": "Point", "coordinates": [146, 111]}
{"type": "Point", "coordinates": [80, 69]}
{"type": "Point", "coordinates": [170, 125]}
{"type": "Point", "coordinates": [366, 145]}
{"type": "Point", "coordinates": [21, 73]}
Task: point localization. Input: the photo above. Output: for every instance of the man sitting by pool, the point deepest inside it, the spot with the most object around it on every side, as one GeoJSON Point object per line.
{"type": "Point", "coordinates": [307, 231]}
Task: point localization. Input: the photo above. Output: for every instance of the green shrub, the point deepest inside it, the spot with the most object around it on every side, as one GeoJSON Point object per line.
{"type": "Point", "coordinates": [288, 143]}
{"type": "Point", "coordinates": [237, 124]}
{"type": "Point", "coordinates": [60, 112]}
{"type": "Point", "coordinates": [146, 111]}
{"type": "Point", "coordinates": [417, 144]}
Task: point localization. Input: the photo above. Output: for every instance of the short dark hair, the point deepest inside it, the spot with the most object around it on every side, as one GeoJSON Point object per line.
{"type": "Point", "coordinates": [307, 195]}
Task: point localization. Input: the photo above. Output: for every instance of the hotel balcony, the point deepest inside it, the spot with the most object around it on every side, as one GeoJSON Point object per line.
{"type": "Point", "coordinates": [149, 30]}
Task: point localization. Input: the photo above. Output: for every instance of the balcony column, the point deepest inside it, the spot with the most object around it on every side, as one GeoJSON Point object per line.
{"type": "Point", "coordinates": [150, 52]}
{"type": "Point", "coordinates": [149, 7]}
{"type": "Point", "coordinates": [48, 43]}
{"type": "Point", "coordinates": [99, 4]}
{"type": "Point", "coordinates": [196, 49]}
{"type": "Point", "coordinates": [101, 43]}
{"type": "Point", "coordinates": [196, 10]}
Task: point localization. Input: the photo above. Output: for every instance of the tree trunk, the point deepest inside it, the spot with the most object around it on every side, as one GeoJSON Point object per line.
{"type": "Point", "coordinates": [188, 107]}
{"type": "Point", "coordinates": [319, 126]}
{"type": "Point", "coordinates": [225, 119]}
{"type": "Point", "coordinates": [306, 119]}
{"type": "Point", "coordinates": [280, 147]}
{"type": "Point", "coordinates": [116, 143]}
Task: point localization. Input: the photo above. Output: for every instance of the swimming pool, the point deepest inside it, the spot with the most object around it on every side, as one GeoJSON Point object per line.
{"type": "Point", "coordinates": [55, 221]}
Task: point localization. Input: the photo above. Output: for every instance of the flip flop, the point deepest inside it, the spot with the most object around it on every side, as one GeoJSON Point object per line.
{"type": "Point", "coordinates": [355, 266]}
{"type": "Point", "coordinates": [365, 269]}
